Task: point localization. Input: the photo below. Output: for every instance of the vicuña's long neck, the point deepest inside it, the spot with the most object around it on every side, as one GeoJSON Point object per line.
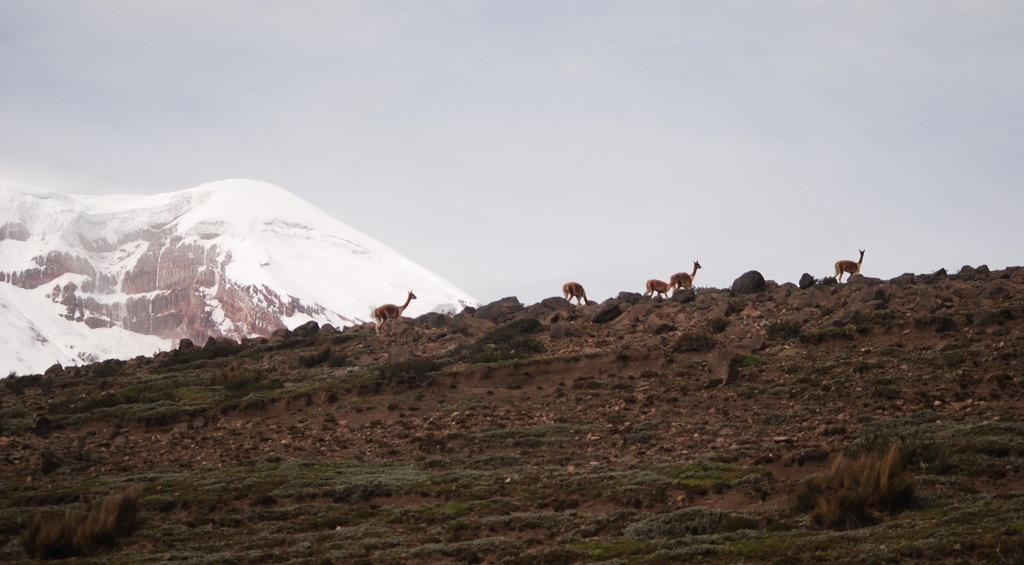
{"type": "Point", "coordinates": [408, 299]}
{"type": "Point", "coordinates": [861, 260]}
{"type": "Point", "coordinates": [694, 273]}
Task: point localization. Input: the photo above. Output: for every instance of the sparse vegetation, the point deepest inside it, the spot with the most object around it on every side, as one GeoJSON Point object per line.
{"type": "Point", "coordinates": [859, 491]}
{"type": "Point", "coordinates": [414, 372]}
{"type": "Point", "coordinates": [692, 341]}
{"type": "Point", "coordinates": [241, 380]}
{"type": "Point", "coordinates": [718, 324]}
{"type": "Point", "coordinates": [79, 532]}
{"type": "Point", "coordinates": [469, 442]}
{"type": "Point", "coordinates": [783, 329]}
{"type": "Point", "coordinates": [510, 341]}
{"type": "Point", "coordinates": [316, 358]}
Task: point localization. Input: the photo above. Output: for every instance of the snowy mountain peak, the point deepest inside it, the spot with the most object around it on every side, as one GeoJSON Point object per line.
{"type": "Point", "coordinates": [235, 258]}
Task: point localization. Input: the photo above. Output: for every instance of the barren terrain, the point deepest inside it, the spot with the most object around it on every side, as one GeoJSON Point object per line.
{"type": "Point", "coordinates": [634, 430]}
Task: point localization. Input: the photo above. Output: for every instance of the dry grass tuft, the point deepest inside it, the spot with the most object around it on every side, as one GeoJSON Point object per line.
{"type": "Point", "coordinates": [860, 491]}
{"type": "Point", "coordinates": [83, 533]}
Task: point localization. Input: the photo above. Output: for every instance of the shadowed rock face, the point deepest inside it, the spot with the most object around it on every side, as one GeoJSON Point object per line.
{"type": "Point", "coordinates": [173, 289]}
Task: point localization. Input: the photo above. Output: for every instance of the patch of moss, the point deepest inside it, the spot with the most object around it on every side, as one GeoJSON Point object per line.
{"type": "Point", "coordinates": [610, 548]}
{"type": "Point", "coordinates": [508, 342]}
{"type": "Point", "coordinates": [818, 335]}
{"type": "Point", "coordinates": [706, 473]}
{"type": "Point", "coordinates": [692, 341]}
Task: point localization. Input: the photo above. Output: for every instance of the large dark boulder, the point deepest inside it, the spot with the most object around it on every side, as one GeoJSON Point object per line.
{"type": "Point", "coordinates": [629, 297]}
{"type": "Point", "coordinates": [471, 325]}
{"type": "Point", "coordinates": [608, 312]}
{"type": "Point", "coordinates": [684, 295]}
{"type": "Point", "coordinates": [556, 303]}
{"type": "Point", "coordinates": [309, 328]}
{"type": "Point", "coordinates": [432, 320]}
{"type": "Point", "coordinates": [906, 279]}
{"type": "Point", "coordinates": [807, 281]}
{"type": "Point", "coordinates": [499, 310]}
{"type": "Point", "coordinates": [549, 310]}
{"type": "Point", "coordinates": [750, 282]}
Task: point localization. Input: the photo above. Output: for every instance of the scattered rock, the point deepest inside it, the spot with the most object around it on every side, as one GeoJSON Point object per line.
{"type": "Point", "coordinates": [549, 310]}
{"type": "Point", "coordinates": [985, 317]}
{"type": "Point", "coordinates": [432, 320]}
{"type": "Point", "coordinates": [684, 295]}
{"type": "Point", "coordinates": [807, 281]}
{"type": "Point", "coordinates": [995, 290]}
{"type": "Point", "coordinates": [500, 310]}
{"type": "Point", "coordinates": [629, 297]}
{"type": "Point", "coordinates": [308, 329]}
{"type": "Point", "coordinates": [723, 367]}
{"type": "Point", "coordinates": [607, 313]}
{"type": "Point", "coordinates": [906, 279]}
{"type": "Point", "coordinates": [556, 303]}
{"type": "Point", "coordinates": [42, 426]}
{"type": "Point", "coordinates": [49, 462]}
{"type": "Point", "coordinates": [398, 353]}
{"type": "Point", "coordinates": [749, 346]}
{"type": "Point", "coordinates": [860, 279]}
{"type": "Point", "coordinates": [181, 430]}
{"type": "Point", "coordinates": [471, 325]}
{"type": "Point", "coordinates": [560, 330]}
{"type": "Point", "coordinates": [750, 282]}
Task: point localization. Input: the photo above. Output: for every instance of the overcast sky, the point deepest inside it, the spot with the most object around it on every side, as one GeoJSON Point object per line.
{"type": "Point", "coordinates": [510, 146]}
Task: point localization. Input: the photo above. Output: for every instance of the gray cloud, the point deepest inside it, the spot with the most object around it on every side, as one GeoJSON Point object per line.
{"type": "Point", "coordinates": [509, 146]}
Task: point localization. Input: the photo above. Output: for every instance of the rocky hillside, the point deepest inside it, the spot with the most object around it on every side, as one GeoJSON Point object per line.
{"type": "Point", "coordinates": [634, 430]}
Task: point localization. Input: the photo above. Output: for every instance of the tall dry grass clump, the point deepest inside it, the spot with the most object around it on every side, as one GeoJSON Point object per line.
{"type": "Point", "coordinates": [859, 491]}
{"type": "Point", "coordinates": [83, 533]}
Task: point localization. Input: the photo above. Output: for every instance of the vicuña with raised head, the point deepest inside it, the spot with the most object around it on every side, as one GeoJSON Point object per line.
{"type": "Point", "coordinates": [390, 313]}
{"type": "Point", "coordinates": [684, 280]}
{"type": "Point", "coordinates": [849, 267]}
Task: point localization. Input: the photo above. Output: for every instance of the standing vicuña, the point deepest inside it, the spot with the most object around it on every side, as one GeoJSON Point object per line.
{"type": "Point", "coordinates": [659, 287]}
{"type": "Point", "coordinates": [390, 313]}
{"type": "Point", "coordinates": [847, 266]}
{"type": "Point", "coordinates": [575, 290]}
{"type": "Point", "coordinates": [685, 280]}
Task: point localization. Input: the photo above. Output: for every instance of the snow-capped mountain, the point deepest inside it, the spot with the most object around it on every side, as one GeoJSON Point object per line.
{"type": "Point", "coordinates": [85, 278]}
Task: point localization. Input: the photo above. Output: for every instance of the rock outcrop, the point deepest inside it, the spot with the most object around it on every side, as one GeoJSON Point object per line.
{"type": "Point", "coordinates": [173, 289]}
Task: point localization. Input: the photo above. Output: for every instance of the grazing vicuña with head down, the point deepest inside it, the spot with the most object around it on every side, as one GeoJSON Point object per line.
{"type": "Point", "coordinates": [575, 290]}
{"type": "Point", "coordinates": [654, 286]}
{"type": "Point", "coordinates": [847, 266]}
{"type": "Point", "coordinates": [390, 313]}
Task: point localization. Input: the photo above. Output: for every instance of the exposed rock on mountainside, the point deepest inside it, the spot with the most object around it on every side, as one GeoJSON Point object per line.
{"type": "Point", "coordinates": [233, 259]}
{"type": "Point", "coordinates": [166, 292]}
{"type": "Point", "coordinates": [667, 432]}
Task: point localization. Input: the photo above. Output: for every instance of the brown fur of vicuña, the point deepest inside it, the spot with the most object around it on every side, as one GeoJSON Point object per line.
{"type": "Point", "coordinates": [575, 290]}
